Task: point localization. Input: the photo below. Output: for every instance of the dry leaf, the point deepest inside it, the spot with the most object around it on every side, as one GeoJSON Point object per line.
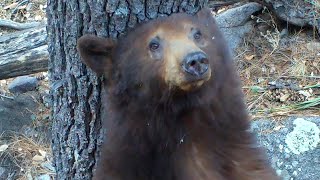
{"type": "Point", "coordinates": [43, 153]}
{"type": "Point", "coordinates": [247, 57]}
{"type": "Point", "coordinates": [247, 73]}
{"type": "Point", "coordinates": [11, 6]}
{"type": "Point", "coordinates": [272, 68]}
{"type": "Point", "coordinates": [304, 93]}
{"type": "Point", "coordinates": [38, 158]}
{"type": "Point", "coordinates": [264, 69]}
{"type": "Point", "coordinates": [284, 98]}
{"type": "Point", "coordinates": [3, 147]}
{"type": "Point", "coordinates": [311, 91]}
{"type": "Point", "coordinates": [37, 18]}
{"type": "Point", "coordinates": [22, 7]}
{"type": "Point", "coordinates": [278, 128]}
{"type": "Point", "coordinates": [221, 10]}
{"type": "Point", "coordinates": [315, 63]}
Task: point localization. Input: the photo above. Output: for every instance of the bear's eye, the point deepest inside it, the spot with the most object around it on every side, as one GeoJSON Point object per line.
{"type": "Point", "coordinates": [197, 35]}
{"type": "Point", "coordinates": [154, 45]}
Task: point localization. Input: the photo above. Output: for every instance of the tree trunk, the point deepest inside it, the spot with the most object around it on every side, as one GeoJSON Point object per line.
{"type": "Point", "coordinates": [76, 91]}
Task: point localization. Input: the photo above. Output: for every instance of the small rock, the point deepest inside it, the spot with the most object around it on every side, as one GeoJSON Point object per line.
{"type": "Point", "coordinates": [23, 84]}
{"type": "Point", "coordinates": [43, 177]}
{"type": "Point", "coordinates": [45, 75]}
{"type": "Point", "coordinates": [3, 82]}
{"type": "Point", "coordinates": [38, 18]}
{"type": "Point", "coordinates": [284, 32]}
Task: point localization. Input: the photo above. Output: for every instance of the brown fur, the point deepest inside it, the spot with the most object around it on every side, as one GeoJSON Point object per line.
{"type": "Point", "coordinates": [160, 126]}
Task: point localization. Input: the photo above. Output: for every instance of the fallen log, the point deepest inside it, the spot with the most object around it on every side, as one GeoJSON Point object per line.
{"type": "Point", "coordinates": [18, 26]}
{"type": "Point", "coordinates": [23, 52]}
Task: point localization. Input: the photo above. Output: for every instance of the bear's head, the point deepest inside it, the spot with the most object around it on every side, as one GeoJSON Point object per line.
{"type": "Point", "coordinates": [177, 55]}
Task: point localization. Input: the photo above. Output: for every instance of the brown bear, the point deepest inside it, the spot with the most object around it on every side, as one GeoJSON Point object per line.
{"type": "Point", "coordinates": [174, 105]}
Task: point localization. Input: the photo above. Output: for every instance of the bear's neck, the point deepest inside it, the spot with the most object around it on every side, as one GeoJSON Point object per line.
{"type": "Point", "coordinates": [212, 111]}
{"type": "Point", "coordinates": [173, 124]}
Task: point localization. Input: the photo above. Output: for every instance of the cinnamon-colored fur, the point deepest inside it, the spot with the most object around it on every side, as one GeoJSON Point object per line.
{"type": "Point", "coordinates": [159, 125]}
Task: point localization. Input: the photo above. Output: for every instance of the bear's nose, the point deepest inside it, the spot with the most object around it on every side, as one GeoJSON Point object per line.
{"type": "Point", "coordinates": [195, 63]}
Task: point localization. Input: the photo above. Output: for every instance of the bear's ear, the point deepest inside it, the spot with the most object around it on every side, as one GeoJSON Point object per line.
{"type": "Point", "coordinates": [96, 52]}
{"type": "Point", "coordinates": [206, 15]}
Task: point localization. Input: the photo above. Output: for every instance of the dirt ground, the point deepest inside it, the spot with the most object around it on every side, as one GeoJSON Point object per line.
{"type": "Point", "coordinates": [279, 66]}
{"type": "Point", "coordinates": [26, 154]}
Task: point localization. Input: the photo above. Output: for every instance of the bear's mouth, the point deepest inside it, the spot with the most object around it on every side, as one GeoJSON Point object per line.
{"type": "Point", "coordinates": [192, 86]}
{"type": "Point", "coordinates": [194, 82]}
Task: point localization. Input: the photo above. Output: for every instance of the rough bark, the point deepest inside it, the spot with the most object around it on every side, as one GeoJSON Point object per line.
{"type": "Point", "coordinates": [24, 52]}
{"type": "Point", "coordinates": [76, 91]}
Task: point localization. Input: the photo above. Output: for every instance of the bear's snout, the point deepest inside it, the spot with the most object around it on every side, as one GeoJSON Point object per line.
{"type": "Point", "coordinates": [196, 64]}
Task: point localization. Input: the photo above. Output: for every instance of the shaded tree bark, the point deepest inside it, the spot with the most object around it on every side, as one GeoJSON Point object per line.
{"type": "Point", "coordinates": [76, 91]}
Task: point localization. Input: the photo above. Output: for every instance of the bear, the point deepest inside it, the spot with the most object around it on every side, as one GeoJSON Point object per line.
{"type": "Point", "coordinates": [173, 103]}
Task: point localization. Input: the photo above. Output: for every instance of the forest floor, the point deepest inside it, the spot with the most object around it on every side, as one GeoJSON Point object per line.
{"type": "Point", "coordinates": [279, 67]}
{"type": "Point", "coordinates": [26, 154]}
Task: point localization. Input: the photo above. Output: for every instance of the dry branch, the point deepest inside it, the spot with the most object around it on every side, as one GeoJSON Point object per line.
{"type": "Point", "coordinates": [18, 26]}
